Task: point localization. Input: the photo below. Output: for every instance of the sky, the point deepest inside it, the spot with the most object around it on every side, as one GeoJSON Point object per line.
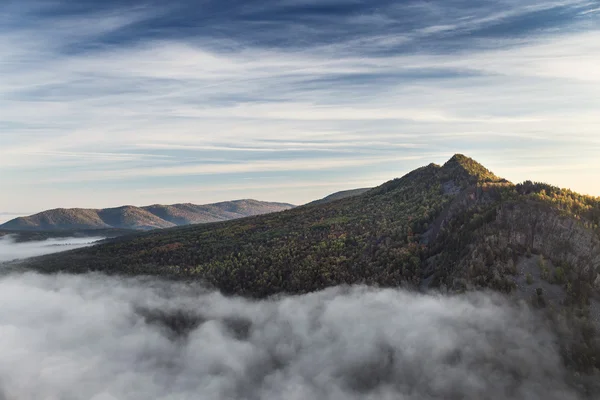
{"type": "Point", "coordinates": [141, 102]}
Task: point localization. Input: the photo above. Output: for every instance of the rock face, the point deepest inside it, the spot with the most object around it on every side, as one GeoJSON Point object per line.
{"type": "Point", "coordinates": [548, 232]}
{"type": "Point", "coordinates": [498, 251]}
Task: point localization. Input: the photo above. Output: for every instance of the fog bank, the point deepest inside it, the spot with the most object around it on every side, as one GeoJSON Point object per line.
{"type": "Point", "coordinates": [10, 249]}
{"type": "Point", "coordinates": [101, 338]}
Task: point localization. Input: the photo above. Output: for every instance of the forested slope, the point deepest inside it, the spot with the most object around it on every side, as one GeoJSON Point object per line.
{"type": "Point", "coordinates": [369, 238]}
{"type": "Point", "coordinates": [376, 238]}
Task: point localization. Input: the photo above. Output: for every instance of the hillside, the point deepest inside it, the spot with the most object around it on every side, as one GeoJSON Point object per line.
{"type": "Point", "coordinates": [141, 218]}
{"type": "Point", "coordinates": [339, 195]}
{"type": "Point", "coordinates": [423, 229]}
{"type": "Point", "coordinates": [298, 250]}
{"type": "Point", "coordinates": [451, 228]}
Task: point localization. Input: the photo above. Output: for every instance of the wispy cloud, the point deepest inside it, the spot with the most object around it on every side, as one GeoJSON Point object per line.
{"type": "Point", "coordinates": [117, 94]}
{"type": "Point", "coordinates": [233, 168]}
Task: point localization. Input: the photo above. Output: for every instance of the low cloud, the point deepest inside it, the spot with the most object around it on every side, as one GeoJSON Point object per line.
{"type": "Point", "coordinates": [11, 249]}
{"type": "Point", "coordinates": [101, 338]}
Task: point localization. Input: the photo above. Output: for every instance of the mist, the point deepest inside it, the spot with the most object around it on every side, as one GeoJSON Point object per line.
{"type": "Point", "coordinates": [102, 338]}
{"type": "Point", "coordinates": [10, 249]}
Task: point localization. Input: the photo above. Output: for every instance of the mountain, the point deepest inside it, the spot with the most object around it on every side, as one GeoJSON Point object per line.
{"type": "Point", "coordinates": [450, 228]}
{"type": "Point", "coordinates": [433, 227]}
{"type": "Point", "coordinates": [141, 218]}
{"type": "Point", "coordinates": [339, 195]}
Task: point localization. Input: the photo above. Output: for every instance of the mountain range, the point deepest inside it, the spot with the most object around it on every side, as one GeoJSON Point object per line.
{"type": "Point", "coordinates": [450, 228]}
{"type": "Point", "coordinates": [141, 218]}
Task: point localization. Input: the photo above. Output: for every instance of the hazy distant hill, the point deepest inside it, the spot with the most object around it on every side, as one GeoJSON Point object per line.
{"type": "Point", "coordinates": [142, 218]}
{"type": "Point", "coordinates": [340, 195]}
{"type": "Point", "coordinates": [185, 214]}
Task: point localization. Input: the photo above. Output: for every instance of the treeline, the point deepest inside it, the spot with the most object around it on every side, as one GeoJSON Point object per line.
{"type": "Point", "coordinates": [583, 207]}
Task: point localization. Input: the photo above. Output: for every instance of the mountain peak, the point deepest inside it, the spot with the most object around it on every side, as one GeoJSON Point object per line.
{"type": "Point", "coordinates": [458, 157]}
{"type": "Point", "coordinates": [461, 166]}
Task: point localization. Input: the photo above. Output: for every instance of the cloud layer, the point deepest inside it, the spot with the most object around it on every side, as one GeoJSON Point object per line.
{"type": "Point", "coordinates": [11, 250]}
{"type": "Point", "coordinates": [103, 338]}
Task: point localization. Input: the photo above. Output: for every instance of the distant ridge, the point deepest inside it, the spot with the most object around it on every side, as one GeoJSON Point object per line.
{"type": "Point", "coordinates": [340, 195]}
{"type": "Point", "coordinates": [142, 218]}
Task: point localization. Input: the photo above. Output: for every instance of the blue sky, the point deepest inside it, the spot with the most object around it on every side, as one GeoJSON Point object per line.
{"type": "Point", "coordinates": [139, 102]}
